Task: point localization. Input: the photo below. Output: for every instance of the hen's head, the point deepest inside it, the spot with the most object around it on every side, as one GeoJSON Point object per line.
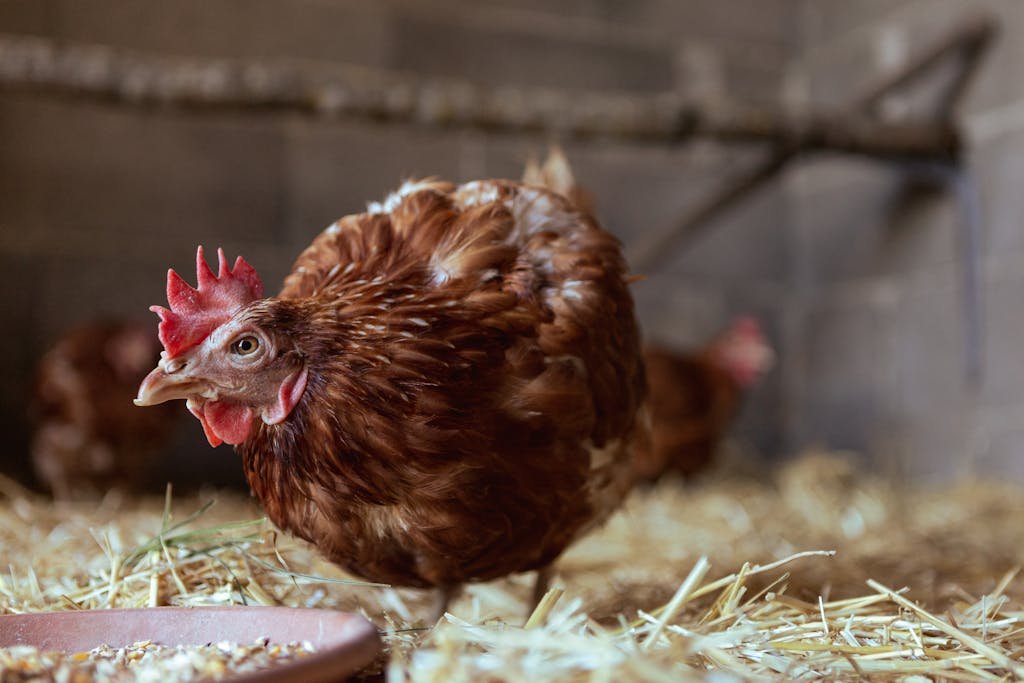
{"type": "Point", "coordinates": [743, 351]}
{"type": "Point", "coordinates": [222, 354]}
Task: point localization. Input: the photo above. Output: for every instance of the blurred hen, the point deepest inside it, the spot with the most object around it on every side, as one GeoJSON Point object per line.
{"type": "Point", "coordinates": [87, 436]}
{"type": "Point", "coordinates": [694, 397]}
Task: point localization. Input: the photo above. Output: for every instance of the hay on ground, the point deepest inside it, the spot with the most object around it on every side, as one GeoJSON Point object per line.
{"type": "Point", "coordinates": [817, 573]}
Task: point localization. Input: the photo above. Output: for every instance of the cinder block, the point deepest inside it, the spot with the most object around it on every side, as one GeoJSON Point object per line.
{"type": "Point", "coordinates": [1003, 335]}
{"type": "Point", "coordinates": [931, 346]}
{"type": "Point", "coordinates": [744, 244]}
{"type": "Point", "coordinates": [20, 282]}
{"type": "Point", "coordinates": [849, 386]}
{"type": "Point", "coordinates": [493, 55]}
{"type": "Point", "coordinates": [163, 177]}
{"type": "Point", "coordinates": [18, 302]}
{"type": "Point", "coordinates": [822, 22]}
{"type": "Point", "coordinates": [1004, 459]}
{"type": "Point", "coordinates": [757, 20]}
{"type": "Point", "coordinates": [996, 446]}
{"type": "Point", "coordinates": [997, 83]}
{"type": "Point", "coordinates": [26, 16]}
{"type": "Point", "coordinates": [751, 21]}
{"type": "Point", "coordinates": [852, 220]}
{"type": "Point", "coordinates": [999, 164]}
{"type": "Point", "coordinates": [846, 46]}
{"type": "Point", "coordinates": [766, 21]}
{"type": "Point", "coordinates": [678, 313]}
{"type": "Point", "coordinates": [934, 449]}
{"type": "Point", "coordinates": [74, 290]}
{"type": "Point", "coordinates": [335, 168]}
{"type": "Point", "coordinates": [335, 31]}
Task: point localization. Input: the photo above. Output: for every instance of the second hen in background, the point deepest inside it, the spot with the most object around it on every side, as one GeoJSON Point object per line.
{"type": "Point", "coordinates": [87, 436]}
{"type": "Point", "coordinates": [693, 394]}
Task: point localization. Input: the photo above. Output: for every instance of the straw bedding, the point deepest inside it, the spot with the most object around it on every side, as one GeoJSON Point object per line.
{"type": "Point", "coordinates": [731, 578]}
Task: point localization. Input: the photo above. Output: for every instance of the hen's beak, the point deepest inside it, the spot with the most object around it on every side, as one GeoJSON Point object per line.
{"type": "Point", "coordinates": [160, 386]}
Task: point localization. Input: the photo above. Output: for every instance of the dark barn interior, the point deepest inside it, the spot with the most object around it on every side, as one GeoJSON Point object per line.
{"type": "Point", "coordinates": [842, 172]}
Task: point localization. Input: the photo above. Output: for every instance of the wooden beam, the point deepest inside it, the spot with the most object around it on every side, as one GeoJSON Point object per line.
{"type": "Point", "coordinates": [145, 79]}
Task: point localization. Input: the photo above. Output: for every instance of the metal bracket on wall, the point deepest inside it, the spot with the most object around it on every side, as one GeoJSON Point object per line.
{"type": "Point", "coordinates": [968, 39]}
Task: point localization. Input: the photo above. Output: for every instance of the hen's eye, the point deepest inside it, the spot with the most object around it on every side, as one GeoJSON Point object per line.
{"type": "Point", "coordinates": [245, 346]}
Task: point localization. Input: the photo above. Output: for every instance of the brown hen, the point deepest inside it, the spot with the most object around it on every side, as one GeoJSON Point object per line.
{"type": "Point", "coordinates": [87, 437]}
{"type": "Point", "coordinates": [445, 390]}
{"type": "Point", "coordinates": [694, 397]}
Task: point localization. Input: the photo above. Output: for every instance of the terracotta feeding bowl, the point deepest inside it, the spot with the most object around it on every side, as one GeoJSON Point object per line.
{"type": "Point", "coordinates": [344, 643]}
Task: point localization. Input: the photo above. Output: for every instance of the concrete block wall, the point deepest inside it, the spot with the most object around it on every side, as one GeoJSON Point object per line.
{"type": "Point", "coordinates": [852, 266]}
{"type": "Point", "coordinates": [877, 303]}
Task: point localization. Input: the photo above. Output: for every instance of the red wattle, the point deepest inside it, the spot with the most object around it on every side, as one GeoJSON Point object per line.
{"type": "Point", "coordinates": [223, 422]}
{"type": "Point", "coordinates": [229, 421]}
{"type": "Point", "coordinates": [208, 432]}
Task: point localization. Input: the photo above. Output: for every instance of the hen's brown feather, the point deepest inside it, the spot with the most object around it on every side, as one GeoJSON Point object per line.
{"type": "Point", "coordinates": [692, 397]}
{"type": "Point", "coordinates": [474, 383]}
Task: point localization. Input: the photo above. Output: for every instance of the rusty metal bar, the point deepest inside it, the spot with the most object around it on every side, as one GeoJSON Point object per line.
{"type": "Point", "coordinates": [971, 35]}
{"type": "Point", "coordinates": [155, 80]}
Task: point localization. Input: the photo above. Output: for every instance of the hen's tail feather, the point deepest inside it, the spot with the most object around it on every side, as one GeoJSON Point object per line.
{"type": "Point", "coordinates": [556, 174]}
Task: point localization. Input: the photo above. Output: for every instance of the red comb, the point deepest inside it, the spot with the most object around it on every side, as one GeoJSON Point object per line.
{"type": "Point", "coordinates": [196, 312]}
{"type": "Point", "coordinates": [746, 325]}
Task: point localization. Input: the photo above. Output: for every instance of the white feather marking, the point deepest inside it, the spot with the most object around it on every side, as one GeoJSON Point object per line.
{"type": "Point", "coordinates": [419, 321]}
{"type": "Point", "coordinates": [535, 210]}
{"type": "Point", "coordinates": [385, 520]}
{"type": "Point", "coordinates": [577, 362]}
{"type": "Point", "coordinates": [392, 201]}
{"type": "Point", "coordinates": [571, 289]}
{"type": "Point", "coordinates": [476, 193]}
{"type": "Point", "coordinates": [441, 276]}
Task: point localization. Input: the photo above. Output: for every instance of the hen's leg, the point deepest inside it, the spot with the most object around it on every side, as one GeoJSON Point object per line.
{"type": "Point", "coordinates": [444, 596]}
{"type": "Point", "coordinates": [541, 584]}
